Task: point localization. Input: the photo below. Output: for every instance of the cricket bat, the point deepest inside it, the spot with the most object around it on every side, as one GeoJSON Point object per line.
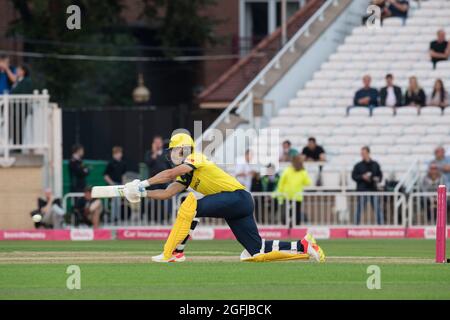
{"type": "Point", "coordinates": [108, 191]}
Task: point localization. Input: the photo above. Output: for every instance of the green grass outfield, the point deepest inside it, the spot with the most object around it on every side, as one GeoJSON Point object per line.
{"type": "Point", "coordinates": [122, 270]}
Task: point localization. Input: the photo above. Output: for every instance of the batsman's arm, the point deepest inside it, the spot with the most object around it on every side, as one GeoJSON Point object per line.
{"type": "Point", "coordinates": [169, 175]}
{"type": "Point", "coordinates": [169, 192]}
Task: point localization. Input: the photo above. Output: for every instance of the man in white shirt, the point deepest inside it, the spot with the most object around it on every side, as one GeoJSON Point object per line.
{"type": "Point", "coordinates": [244, 171]}
{"type": "Point", "coordinates": [391, 95]}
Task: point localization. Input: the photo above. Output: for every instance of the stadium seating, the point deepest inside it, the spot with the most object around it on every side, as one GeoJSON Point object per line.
{"type": "Point", "coordinates": [319, 109]}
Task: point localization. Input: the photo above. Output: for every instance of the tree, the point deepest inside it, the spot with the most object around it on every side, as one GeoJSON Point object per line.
{"type": "Point", "coordinates": [42, 26]}
{"type": "Point", "coordinates": [181, 23]}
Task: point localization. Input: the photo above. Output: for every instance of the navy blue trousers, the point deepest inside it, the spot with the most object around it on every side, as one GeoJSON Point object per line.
{"type": "Point", "coordinates": [237, 209]}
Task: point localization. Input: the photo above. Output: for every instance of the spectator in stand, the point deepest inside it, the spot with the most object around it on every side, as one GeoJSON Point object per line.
{"type": "Point", "coordinates": [88, 210]}
{"type": "Point", "coordinates": [439, 96]}
{"type": "Point", "coordinates": [367, 175]}
{"type": "Point", "coordinates": [244, 171]}
{"type": "Point", "coordinates": [366, 96]}
{"type": "Point", "coordinates": [390, 95]}
{"type": "Point", "coordinates": [313, 152]}
{"type": "Point", "coordinates": [23, 84]}
{"type": "Point", "coordinates": [7, 75]}
{"type": "Point", "coordinates": [51, 212]}
{"type": "Point", "coordinates": [156, 160]}
{"type": "Point", "coordinates": [443, 163]}
{"type": "Point", "coordinates": [439, 48]}
{"type": "Point", "coordinates": [414, 95]}
{"type": "Point", "coordinates": [269, 181]}
{"type": "Point", "coordinates": [287, 152]}
{"type": "Point", "coordinates": [430, 183]}
{"type": "Point", "coordinates": [116, 168]}
{"type": "Point", "coordinates": [292, 182]}
{"type": "Point", "coordinates": [114, 175]}
{"type": "Point", "coordinates": [77, 170]}
{"type": "Point", "coordinates": [397, 8]}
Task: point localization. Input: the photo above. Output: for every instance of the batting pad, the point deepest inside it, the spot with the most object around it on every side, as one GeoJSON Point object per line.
{"type": "Point", "coordinates": [273, 256]}
{"type": "Point", "coordinates": [182, 226]}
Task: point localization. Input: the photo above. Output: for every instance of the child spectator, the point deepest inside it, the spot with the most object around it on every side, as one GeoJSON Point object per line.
{"type": "Point", "coordinates": [78, 172]}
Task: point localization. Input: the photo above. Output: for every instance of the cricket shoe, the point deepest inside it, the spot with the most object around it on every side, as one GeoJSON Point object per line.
{"type": "Point", "coordinates": [176, 257]}
{"type": "Point", "coordinates": [311, 247]}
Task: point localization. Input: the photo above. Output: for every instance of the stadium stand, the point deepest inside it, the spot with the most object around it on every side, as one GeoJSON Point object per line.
{"type": "Point", "coordinates": [396, 138]}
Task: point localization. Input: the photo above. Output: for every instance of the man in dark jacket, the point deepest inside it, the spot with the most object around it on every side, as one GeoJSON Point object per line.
{"type": "Point", "coordinates": [156, 160]}
{"type": "Point", "coordinates": [367, 174]}
{"type": "Point", "coordinates": [391, 95]}
{"type": "Point", "coordinates": [78, 172]}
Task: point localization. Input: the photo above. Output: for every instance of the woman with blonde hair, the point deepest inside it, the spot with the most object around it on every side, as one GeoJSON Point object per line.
{"type": "Point", "coordinates": [414, 95]}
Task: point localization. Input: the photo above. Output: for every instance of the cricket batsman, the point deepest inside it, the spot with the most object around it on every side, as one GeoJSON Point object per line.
{"type": "Point", "coordinates": [224, 197]}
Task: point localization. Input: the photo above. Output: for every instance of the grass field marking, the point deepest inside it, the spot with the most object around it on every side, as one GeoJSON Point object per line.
{"type": "Point", "coordinates": [35, 257]}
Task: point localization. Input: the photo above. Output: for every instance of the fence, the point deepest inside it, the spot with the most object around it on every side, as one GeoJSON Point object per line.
{"type": "Point", "coordinates": [271, 210]}
{"type": "Point", "coordinates": [30, 124]}
{"type": "Point", "coordinates": [422, 208]}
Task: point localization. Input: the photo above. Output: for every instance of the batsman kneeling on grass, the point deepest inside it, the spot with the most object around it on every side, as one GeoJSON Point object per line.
{"type": "Point", "coordinates": [224, 197]}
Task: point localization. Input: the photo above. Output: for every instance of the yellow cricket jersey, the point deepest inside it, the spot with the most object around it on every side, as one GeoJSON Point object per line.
{"type": "Point", "coordinates": [206, 177]}
{"type": "Point", "coordinates": [292, 183]}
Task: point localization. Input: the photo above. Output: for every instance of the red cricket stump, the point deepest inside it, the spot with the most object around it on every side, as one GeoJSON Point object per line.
{"type": "Point", "coordinates": [441, 224]}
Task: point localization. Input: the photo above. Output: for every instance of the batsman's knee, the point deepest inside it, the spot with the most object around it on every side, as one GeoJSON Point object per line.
{"type": "Point", "coordinates": [188, 207]}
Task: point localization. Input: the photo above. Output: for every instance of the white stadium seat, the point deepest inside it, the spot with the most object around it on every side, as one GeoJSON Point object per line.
{"type": "Point", "coordinates": [319, 108]}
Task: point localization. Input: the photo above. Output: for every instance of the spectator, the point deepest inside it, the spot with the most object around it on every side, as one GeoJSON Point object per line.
{"type": "Point", "coordinates": [156, 160]}
{"type": "Point", "coordinates": [443, 163]}
{"type": "Point", "coordinates": [51, 211]}
{"type": "Point", "coordinates": [390, 95]}
{"type": "Point", "coordinates": [269, 181]}
{"type": "Point", "coordinates": [256, 183]}
{"type": "Point", "coordinates": [367, 175]}
{"type": "Point", "coordinates": [88, 210]}
{"type": "Point", "coordinates": [439, 96]}
{"type": "Point", "coordinates": [397, 8]}
{"type": "Point", "coordinates": [414, 95]}
{"type": "Point", "coordinates": [116, 168]}
{"type": "Point", "coordinates": [439, 48]}
{"type": "Point", "coordinates": [114, 175]}
{"type": "Point", "coordinates": [430, 183]}
{"type": "Point", "coordinates": [366, 96]}
{"type": "Point", "coordinates": [244, 171]}
{"type": "Point", "coordinates": [292, 182]}
{"type": "Point", "coordinates": [23, 84]}
{"type": "Point", "coordinates": [7, 75]}
{"type": "Point", "coordinates": [287, 152]}
{"type": "Point", "coordinates": [77, 170]}
{"type": "Point", "coordinates": [313, 152]}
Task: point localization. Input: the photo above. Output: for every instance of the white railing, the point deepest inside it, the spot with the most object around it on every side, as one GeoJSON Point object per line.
{"type": "Point", "coordinates": [23, 124]}
{"type": "Point", "coordinates": [318, 208]}
{"type": "Point", "coordinates": [422, 208]}
{"type": "Point", "coordinates": [290, 46]}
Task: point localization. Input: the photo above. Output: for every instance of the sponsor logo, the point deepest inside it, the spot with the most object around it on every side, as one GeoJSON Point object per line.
{"type": "Point", "coordinates": [376, 233]}
{"type": "Point", "coordinates": [203, 234]}
{"type": "Point", "coordinates": [26, 235]}
{"type": "Point", "coordinates": [320, 233]}
{"type": "Point", "coordinates": [82, 234]}
{"type": "Point", "coordinates": [430, 233]}
{"type": "Point", "coordinates": [145, 234]}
